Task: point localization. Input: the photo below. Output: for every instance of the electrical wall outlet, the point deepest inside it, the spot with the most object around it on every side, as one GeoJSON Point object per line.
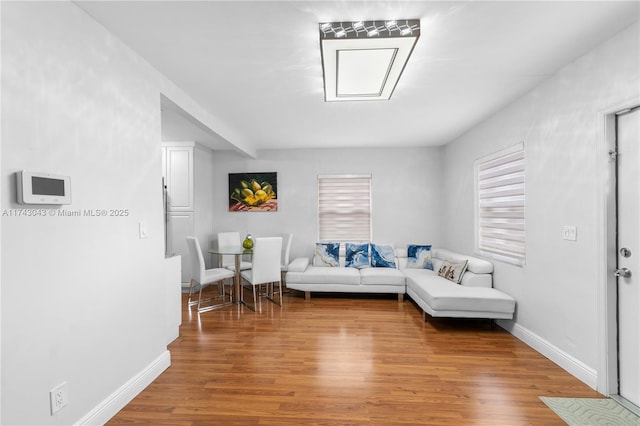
{"type": "Point", "coordinates": [59, 397]}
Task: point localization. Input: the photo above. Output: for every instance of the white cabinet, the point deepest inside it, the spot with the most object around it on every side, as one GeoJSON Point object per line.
{"type": "Point", "coordinates": [179, 177]}
{"type": "Point", "coordinates": [188, 174]}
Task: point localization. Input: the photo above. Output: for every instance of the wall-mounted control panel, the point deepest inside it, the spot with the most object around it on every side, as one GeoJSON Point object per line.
{"type": "Point", "coordinates": [42, 188]}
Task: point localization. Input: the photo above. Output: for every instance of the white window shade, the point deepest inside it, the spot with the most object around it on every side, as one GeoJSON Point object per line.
{"type": "Point", "coordinates": [344, 208]}
{"type": "Point", "coordinates": [500, 205]}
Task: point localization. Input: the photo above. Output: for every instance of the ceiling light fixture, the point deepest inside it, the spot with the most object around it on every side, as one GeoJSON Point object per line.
{"type": "Point", "coordinates": [363, 60]}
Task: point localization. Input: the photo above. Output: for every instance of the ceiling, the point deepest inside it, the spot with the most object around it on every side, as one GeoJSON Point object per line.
{"type": "Point", "coordinates": [255, 65]}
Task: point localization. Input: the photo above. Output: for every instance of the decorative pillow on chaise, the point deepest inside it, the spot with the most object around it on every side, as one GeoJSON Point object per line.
{"type": "Point", "coordinates": [453, 270]}
{"type": "Point", "coordinates": [357, 255]}
{"type": "Point", "coordinates": [326, 254]}
{"type": "Point", "coordinates": [383, 256]}
{"type": "Point", "coordinates": [419, 256]}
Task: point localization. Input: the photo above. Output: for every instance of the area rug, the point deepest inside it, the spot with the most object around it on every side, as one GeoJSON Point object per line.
{"type": "Point", "coordinates": [591, 411]}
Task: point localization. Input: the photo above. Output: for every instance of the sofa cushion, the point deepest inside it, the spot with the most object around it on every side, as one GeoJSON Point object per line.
{"type": "Point", "coordinates": [453, 271]}
{"type": "Point", "coordinates": [357, 255]}
{"type": "Point", "coordinates": [382, 256]}
{"type": "Point", "coordinates": [326, 254]}
{"type": "Point", "coordinates": [419, 256]}
{"type": "Point", "coordinates": [323, 275]}
{"type": "Point", "coordinates": [417, 273]}
{"type": "Point", "coordinates": [443, 295]}
{"type": "Point", "coordinates": [382, 276]}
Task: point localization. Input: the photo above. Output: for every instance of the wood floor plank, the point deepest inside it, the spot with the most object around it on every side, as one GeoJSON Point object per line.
{"type": "Point", "coordinates": [348, 360]}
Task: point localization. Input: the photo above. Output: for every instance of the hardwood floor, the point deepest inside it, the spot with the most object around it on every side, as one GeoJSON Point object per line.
{"type": "Point", "coordinates": [348, 360]}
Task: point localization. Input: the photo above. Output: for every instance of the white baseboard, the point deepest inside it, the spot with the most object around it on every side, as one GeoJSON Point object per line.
{"type": "Point", "coordinates": [122, 396]}
{"type": "Point", "coordinates": [573, 366]}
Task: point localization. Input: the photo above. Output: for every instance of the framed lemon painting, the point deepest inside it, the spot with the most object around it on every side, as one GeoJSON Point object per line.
{"type": "Point", "coordinates": [253, 192]}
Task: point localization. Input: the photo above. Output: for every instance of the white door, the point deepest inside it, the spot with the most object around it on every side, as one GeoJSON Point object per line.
{"type": "Point", "coordinates": [628, 270]}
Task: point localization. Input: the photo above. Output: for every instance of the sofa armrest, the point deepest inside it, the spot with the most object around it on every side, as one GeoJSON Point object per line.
{"type": "Point", "coordinates": [299, 264]}
{"type": "Point", "coordinates": [471, 279]}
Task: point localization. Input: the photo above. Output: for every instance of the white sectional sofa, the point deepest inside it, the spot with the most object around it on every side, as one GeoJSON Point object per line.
{"type": "Point", "coordinates": [473, 297]}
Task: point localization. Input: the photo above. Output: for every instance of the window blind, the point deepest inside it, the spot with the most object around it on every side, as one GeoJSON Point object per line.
{"type": "Point", "coordinates": [344, 208]}
{"type": "Point", "coordinates": [500, 205]}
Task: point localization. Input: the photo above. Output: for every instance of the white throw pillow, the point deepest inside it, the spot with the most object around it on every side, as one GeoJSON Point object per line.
{"type": "Point", "coordinates": [453, 271]}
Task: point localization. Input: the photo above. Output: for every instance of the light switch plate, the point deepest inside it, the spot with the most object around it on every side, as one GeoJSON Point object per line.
{"type": "Point", "coordinates": [570, 233]}
{"type": "Point", "coordinates": [142, 228]}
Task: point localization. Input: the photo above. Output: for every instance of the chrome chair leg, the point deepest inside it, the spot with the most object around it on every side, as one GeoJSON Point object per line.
{"type": "Point", "coordinates": [280, 291]}
{"type": "Point", "coordinates": [230, 291]}
{"type": "Point", "coordinates": [199, 298]}
{"type": "Point", "coordinates": [220, 296]}
{"type": "Point", "coordinates": [270, 293]}
{"type": "Point", "coordinates": [189, 301]}
{"type": "Point", "coordinates": [283, 282]}
{"type": "Point", "coordinates": [255, 303]}
{"type": "Point", "coordinates": [244, 302]}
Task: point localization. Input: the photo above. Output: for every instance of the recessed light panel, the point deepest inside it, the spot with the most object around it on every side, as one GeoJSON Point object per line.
{"type": "Point", "coordinates": [363, 60]}
{"type": "Point", "coordinates": [363, 72]}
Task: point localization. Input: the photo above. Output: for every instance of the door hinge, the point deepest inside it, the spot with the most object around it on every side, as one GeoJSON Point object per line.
{"type": "Point", "coordinates": [613, 156]}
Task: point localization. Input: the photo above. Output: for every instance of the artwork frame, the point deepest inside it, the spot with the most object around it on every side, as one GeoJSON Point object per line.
{"type": "Point", "coordinates": [253, 192]}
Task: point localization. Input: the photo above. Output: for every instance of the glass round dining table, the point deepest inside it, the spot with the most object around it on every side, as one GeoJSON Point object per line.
{"type": "Point", "coordinates": [237, 252]}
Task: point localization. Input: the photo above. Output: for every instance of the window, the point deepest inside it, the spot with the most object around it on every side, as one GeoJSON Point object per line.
{"type": "Point", "coordinates": [500, 201]}
{"type": "Point", "coordinates": [344, 208]}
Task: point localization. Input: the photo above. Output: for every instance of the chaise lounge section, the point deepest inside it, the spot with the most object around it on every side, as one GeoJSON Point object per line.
{"type": "Point", "coordinates": [473, 297]}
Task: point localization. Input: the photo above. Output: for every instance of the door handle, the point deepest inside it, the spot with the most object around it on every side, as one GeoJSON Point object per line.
{"type": "Point", "coordinates": [623, 272]}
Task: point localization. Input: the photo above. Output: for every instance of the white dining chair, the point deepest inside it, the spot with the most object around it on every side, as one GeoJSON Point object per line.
{"type": "Point", "coordinates": [267, 252]}
{"type": "Point", "coordinates": [231, 239]}
{"type": "Point", "coordinates": [203, 277]}
{"type": "Point", "coordinates": [286, 253]}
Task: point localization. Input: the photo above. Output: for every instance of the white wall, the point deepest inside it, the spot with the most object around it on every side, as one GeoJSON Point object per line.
{"type": "Point", "coordinates": [560, 124]}
{"type": "Point", "coordinates": [83, 298]}
{"type": "Point", "coordinates": [406, 192]}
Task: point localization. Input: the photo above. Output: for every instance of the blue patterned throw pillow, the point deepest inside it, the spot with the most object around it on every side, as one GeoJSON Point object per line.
{"type": "Point", "coordinates": [357, 255]}
{"type": "Point", "coordinates": [382, 256]}
{"type": "Point", "coordinates": [419, 256]}
{"type": "Point", "coordinates": [326, 254]}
